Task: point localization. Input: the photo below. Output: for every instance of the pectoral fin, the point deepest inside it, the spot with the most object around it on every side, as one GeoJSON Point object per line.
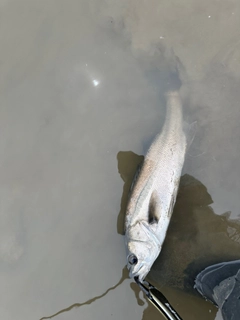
{"type": "Point", "coordinates": [154, 210]}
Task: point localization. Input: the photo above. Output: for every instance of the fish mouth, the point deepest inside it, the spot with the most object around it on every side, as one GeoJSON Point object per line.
{"type": "Point", "coordinates": [140, 272]}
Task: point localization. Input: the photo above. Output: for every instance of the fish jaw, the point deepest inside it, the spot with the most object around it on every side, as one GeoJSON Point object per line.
{"type": "Point", "coordinates": [140, 272]}
{"type": "Point", "coordinates": [141, 242]}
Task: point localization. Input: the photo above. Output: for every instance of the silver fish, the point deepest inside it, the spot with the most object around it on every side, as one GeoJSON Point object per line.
{"type": "Point", "coordinates": [154, 192]}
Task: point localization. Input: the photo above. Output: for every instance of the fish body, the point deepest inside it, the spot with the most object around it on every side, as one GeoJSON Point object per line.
{"type": "Point", "coordinates": [154, 192]}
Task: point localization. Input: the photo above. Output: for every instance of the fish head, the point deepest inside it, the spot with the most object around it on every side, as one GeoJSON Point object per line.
{"type": "Point", "coordinates": [143, 248]}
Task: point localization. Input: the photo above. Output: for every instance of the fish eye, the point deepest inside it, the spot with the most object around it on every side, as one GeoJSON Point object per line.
{"type": "Point", "coordinates": [132, 259]}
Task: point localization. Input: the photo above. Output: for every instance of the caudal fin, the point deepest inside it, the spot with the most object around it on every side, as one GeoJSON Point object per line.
{"type": "Point", "coordinates": [190, 132]}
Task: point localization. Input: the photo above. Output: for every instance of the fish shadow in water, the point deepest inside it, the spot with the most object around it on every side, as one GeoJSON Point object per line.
{"type": "Point", "coordinates": [196, 238]}
{"type": "Point", "coordinates": [127, 165]}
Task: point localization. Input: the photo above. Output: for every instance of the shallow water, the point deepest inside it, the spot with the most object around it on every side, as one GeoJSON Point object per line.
{"type": "Point", "coordinates": [82, 84]}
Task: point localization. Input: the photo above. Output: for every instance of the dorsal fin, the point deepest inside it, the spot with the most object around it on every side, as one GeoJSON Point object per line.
{"type": "Point", "coordinates": [154, 209]}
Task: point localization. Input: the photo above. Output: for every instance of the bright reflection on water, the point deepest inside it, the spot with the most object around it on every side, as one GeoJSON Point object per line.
{"type": "Point", "coordinates": [95, 82]}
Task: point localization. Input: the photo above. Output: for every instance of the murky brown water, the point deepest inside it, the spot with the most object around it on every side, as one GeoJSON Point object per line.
{"type": "Point", "coordinates": [81, 85]}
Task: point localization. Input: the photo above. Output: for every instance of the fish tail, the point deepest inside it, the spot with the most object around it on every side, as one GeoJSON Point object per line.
{"type": "Point", "coordinates": [174, 110]}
